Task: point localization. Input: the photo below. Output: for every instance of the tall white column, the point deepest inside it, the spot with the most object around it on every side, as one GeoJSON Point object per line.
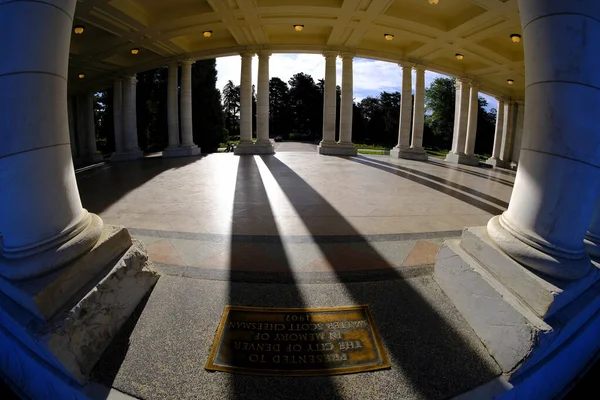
{"type": "Point", "coordinates": [71, 117]}
{"type": "Point", "coordinates": [472, 120]}
{"type": "Point", "coordinates": [187, 138]}
{"type": "Point", "coordinates": [81, 126]}
{"type": "Point", "coordinates": [131, 150]}
{"type": "Point", "coordinates": [405, 108]}
{"type": "Point", "coordinates": [118, 114]}
{"type": "Point", "coordinates": [173, 105]}
{"type": "Point", "coordinates": [42, 221]}
{"type": "Point", "coordinates": [461, 119]}
{"type": "Point", "coordinates": [262, 99]}
{"type": "Point", "coordinates": [416, 145]}
{"type": "Point", "coordinates": [90, 124]}
{"type": "Point", "coordinates": [245, 103]}
{"type": "Point", "coordinates": [507, 133]}
{"type": "Point", "coordinates": [557, 185]}
{"type": "Point", "coordinates": [495, 158]}
{"type": "Point", "coordinates": [328, 145]}
{"type": "Point", "coordinates": [347, 106]}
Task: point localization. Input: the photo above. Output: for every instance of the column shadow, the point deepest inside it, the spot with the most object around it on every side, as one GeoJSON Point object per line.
{"type": "Point", "coordinates": [271, 259]}
{"type": "Point", "coordinates": [435, 359]}
{"type": "Point", "coordinates": [474, 173]}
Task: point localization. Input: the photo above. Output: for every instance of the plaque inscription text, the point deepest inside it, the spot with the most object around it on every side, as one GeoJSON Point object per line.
{"type": "Point", "coordinates": [297, 342]}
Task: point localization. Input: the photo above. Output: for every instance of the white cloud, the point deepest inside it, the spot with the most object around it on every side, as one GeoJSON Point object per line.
{"type": "Point", "coordinates": [371, 77]}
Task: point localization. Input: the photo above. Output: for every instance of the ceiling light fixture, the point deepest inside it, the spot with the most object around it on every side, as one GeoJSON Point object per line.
{"type": "Point", "coordinates": [510, 81]}
{"type": "Point", "coordinates": [135, 51]}
{"type": "Point", "coordinates": [207, 33]}
{"type": "Point", "coordinates": [459, 56]}
{"type": "Point", "coordinates": [298, 28]}
{"type": "Point", "coordinates": [388, 36]}
{"type": "Point", "coordinates": [434, 2]}
{"type": "Point", "coordinates": [515, 37]}
{"type": "Point", "coordinates": [81, 76]}
{"type": "Point", "coordinates": [79, 29]}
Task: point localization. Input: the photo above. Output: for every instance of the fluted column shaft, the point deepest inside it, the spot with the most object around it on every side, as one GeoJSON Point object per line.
{"type": "Point", "coordinates": [347, 100]}
{"type": "Point", "coordinates": [187, 135]}
{"type": "Point", "coordinates": [90, 124]}
{"type": "Point", "coordinates": [130, 114]}
{"type": "Point", "coordinates": [118, 114]}
{"type": "Point", "coordinates": [472, 120]}
{"type": "Point", "coordinates": [419, 109]}
{"type": "Point", "coordinates": [246, 99]}
{"type": "Point", "coordinates": [262, 99]}
{"type": "Point", "coordinates": [461, 117]}
{"type": "Point", "coordinates": [499, 129]}
{"type": "Point", "coordinates": [405, 108]}
{"type": "Point", "coordinates": [71, 117]}
{"type": "Point", "coordinates": [172, 105]}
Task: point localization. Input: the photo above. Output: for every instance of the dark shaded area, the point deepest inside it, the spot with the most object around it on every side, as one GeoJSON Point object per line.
{"type": "Point", "coordinates": [474, 173]}
{"type": "Point", "coordinates": [418, 338]}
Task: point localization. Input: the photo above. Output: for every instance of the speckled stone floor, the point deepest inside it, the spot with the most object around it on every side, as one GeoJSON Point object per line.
{"type": "Point", "coordinates": [295, 229]}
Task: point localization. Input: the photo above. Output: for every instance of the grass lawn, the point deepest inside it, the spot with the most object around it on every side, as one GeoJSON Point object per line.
{"type": "Point", "coordinates": [436, 152]}
{"type": "Point", "coordinates": [369, 146]}
{"type": "Point", "coordinates": [371, 151]}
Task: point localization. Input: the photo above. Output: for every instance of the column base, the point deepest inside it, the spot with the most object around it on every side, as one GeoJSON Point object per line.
{"type": "Point", "coordinates": [460, 158]}
{"type": "Point", "coordinates": [127, 155]}
{"type": "Point", "coordinates": [96, 295]}
{"type": "Point", "coordinates": [251, 148]}
{"type": "Point", "coordinates": [332, 149]}
{"type": "Point", "coordinates": [181, 151]}
{"type": "Point", "coordinates": [347, 149]}
{"type": "Point", "coordinates": [94, 158]}
{"type": "Point", "coordinates": [532, 251]}
{"type": "Point", "coordinates": [526, 320]}
{"type": "Point", "coordinates": [409, 153]}
{"type": "Point", "coordinates": [496, 162]}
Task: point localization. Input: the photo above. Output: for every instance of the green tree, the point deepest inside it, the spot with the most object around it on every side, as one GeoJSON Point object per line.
{"type": "Point", "coordinates": [439, 103]}
{"type": "Point", "coordinates": [231, 108]}
{"type": "Point", "coordinates": [279, 108]}
{"type": "Point", "coordinates": [207, 112]}
{"type": "Point", "coordinates": [306, 105]}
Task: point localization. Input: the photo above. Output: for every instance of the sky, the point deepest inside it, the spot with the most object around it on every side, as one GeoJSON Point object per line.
{"type": "Point", "coordinates": [371, 77]}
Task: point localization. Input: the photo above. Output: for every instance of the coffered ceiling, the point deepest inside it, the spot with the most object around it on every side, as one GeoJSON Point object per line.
{"type": "Point", "coordinates": [167, 30]}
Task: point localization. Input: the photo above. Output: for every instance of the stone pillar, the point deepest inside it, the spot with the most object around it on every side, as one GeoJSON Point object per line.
{"type": "Point", "coordinates": [80, 126]}
{"type": "Point", "coordinates": [347, 107]}
{"type": "Point", "coordinates": [187, 148]}
{"type": "Point", "coordinates": [416, 146]}
{"type": "Point", "coordinates": [118, 115]}
{"type": "Point", "coordinates": [525, 283]}
{"type": "Point", "coordinates": [495, 158]}
{"type": "Point", "coordinates": [61, 299]}
{"type": "Point", "coordinates": [328, 145]}
{"type": "Point", "coordinates": [131, 150]}
{"type": "Point", "coordinates": [461, 114]}
{"type": "Point", "coordinates": [263, 145]}
{"type": "Point", "coordinates": [92, 152]}
{"type": "Point", "coordinates": [518, 133]}
{"type": "Point", "coordinates": [172, 111]}
{"type": "Point", "coordinates": [245, 145]}
{"type": "Point", "coordinates": [472, 124]}
{"type": "Point", "coordinates": [507, 134]}
{"type": "Point", "coordinates": [403, 146]}
{"type": "Point", "coordinates": [557, 183]}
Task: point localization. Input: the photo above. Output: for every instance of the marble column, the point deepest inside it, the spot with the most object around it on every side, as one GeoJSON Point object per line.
{"type": "Point", "coordinates": [131, 150]}
{"type": "Point", "coordinates": [507, 134]}
{"type": "Point", "coordinates": [347, 106]}
{"type": "Point", "coordinates": [92, 152]}
{"type": "Point", "coordinates": [72, 138]}
{"type": "Point", "coordinates": [416, 145]}
{"type": "Point", "coordinates": [42, 220]}
{"type": "Point", "coordinates": [519, 118]}
{"type": "Point", "coordinates": [263, 145]}
{"type": "Point", "coordinates": [557, 185]}
{"type": "Point", "coordinates": [185, 101]}
{"type": "Point", "coordinates": [472, 123]}
{"type": "Point", "coordinates": [328, 145]}
{"type": "Point", "coordinates": [245, 145]}
{"type": "Point", "coordinates": [80, 124]}
{"type": "Point", "coordinates": [403, 146]}
{"type": "Point", "coordinates": [118, 114]}
{"type": "Point", "coordinates": [495, 158]}
{"type": "Point", "coordinates": [461, 118]}
{"type": "Point", "coordinates": [172, 111]}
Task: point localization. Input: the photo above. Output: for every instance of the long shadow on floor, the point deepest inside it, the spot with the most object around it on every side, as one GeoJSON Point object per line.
{"type": "Point", "coordinates": [250, 189]}
{"type": "Point", "coordinates": [412, 175]}
{"type": "Point", "coordinates": [101, 187]}
{"type": "Point", "coordinates": [436, 359]}
{"type": "Point", "coordinates": [470, 172]}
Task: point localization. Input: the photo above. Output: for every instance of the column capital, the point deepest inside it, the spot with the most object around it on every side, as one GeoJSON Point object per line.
{"type": "Point", "coordinates": [188, 61]}
{"type": "Point", "coordinates": [347, 55]}
{"type": "Point", "coordinates": [247, 54]}
{"type": "Point", "coordinates": [418, 67]}
{"type": "Point", "coordinates": [474, 84]}
{"type": "Point", "coordinates": [406, 64]}
{"type": "Point", "coordinates": [330, 54]}
{"type": "Point", "coordinates": [264, 53]}
{"type": "Point", "coordinates": [464, 81]}
{"type": "Point", "coordinates": [131, 78]}
{"type": "Point", "coordinates": [172, 64]}
{"type": "Point", "coordinates": [500, 99]}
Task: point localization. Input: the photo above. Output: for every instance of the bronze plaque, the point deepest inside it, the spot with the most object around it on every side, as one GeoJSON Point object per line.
{"type": "Point", "coordinates": [297, 341]}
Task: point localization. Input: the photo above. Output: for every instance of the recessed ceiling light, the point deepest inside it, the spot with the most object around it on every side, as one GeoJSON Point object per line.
{"type": "Point", "coordinates": [135, 51]}
{"type": "Point", "coordinates": [434, 2]}
{"type": "Point", "coordinates": [388, 36]}
{"type": "Point", "coordinates": [298, 28]}
{"type": "Point", "coordinates": [79, 29]}
{"type": "Point", "coordinates": [515, 37]}
{"type": "Point", "coordinates": [459, 56]}
{"type": "Point", "coordinates": [510, 81]}
{"type": "Point", "coordinates": [81, 76]}
{"type": "Point", "coordinates": [207, 33]}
